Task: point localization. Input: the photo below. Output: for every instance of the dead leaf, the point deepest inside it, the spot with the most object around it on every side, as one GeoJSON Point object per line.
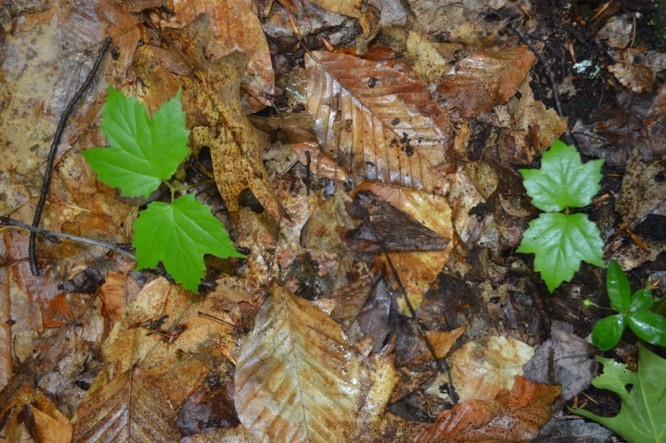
{"type": "Point", "coordinates": [484, 80]}
{"type": "Point", "coordinates": [377, 122]}
{"type": "Point", "coordinates": [441, 342]}
{"type": "Point", "coordinates": [482, 368]}
{"type": "Point", "coordinates": [514, 416]}
{"type": "Point", "coordinates": [126, 409]}
{"type": "Point", "coordinates": [297, 378]}
{"type": "Point", "coordinates": [234, 26]}
{"type": "Point", "coordinates": [31, 415]}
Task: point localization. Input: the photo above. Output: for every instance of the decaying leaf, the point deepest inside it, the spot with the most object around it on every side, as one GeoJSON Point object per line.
{"type": "Point", "coordinates": [387, 229]}
{"type": "Point", "coordinates": [377, 122]}
{"type": "Point", "coordinates": [514, 416]}
{"type": "Point", "coordinates": [296, 378]}
{"type": "Point", "coordinates": [482, 368]}
{"type": "Point", "coordinates": [441, 342]}
{"type": "Point", "coordinates": [126, 409]}
{"type": "Point", "coordinates": [484, 80]}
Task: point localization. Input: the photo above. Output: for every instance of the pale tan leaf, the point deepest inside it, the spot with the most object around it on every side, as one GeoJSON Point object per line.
{"type": "Point", "coordinates": [514, 416]}
{"type": "Point", "coordinates": [482, 368]}
{"type": "Point", "coordinates": [377, 122]}
{"type": "Point", "coordinates": [28, 413]}
{"type": "Point", "coordinates": [484, 80]}
{"type": "Point", "coordinates": [126, 409]}
{"type": "Point", "coordinates": [297, 378]}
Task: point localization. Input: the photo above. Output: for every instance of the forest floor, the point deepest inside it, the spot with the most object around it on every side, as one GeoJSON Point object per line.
{"type": "Point", "coordinates": [364, 157]}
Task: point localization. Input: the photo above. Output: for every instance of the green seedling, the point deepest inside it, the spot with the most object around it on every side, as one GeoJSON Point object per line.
{"type": "Point", "coordinates": [560, 240]}
{"type": "Point", "coordinates": [643, 396]}
{"type": "Point", "coordinates": [143, 153]}
{"type": "Point", "coordinates": [634, 311]}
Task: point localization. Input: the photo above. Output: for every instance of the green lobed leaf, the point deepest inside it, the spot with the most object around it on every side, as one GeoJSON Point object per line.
{"type": "Point", "coordinates": [560, 242]}
{"type": "Point", "coordinates": [608, 332]}
{"type": "Point", "coordinates": [648, 326]}
{"type": "Point", "coordinates": [143, 151]}
{"type": "Point", "coordinates": [617, 287]}
{"type": "Point", "coordinates": [178, 235]}
{"type": "Point", "coordinates": [643, 396]}
{"type": "Point", "coordinates": [563, 180]}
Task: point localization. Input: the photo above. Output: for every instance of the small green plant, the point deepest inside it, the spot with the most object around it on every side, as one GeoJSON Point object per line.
{"type": "Point", "coordinates": [632, 310]}
{"type": "Point", "coordinates": [560, 240]}
{"type": "Point", "coordinates": [643, 396]}
{"type": "Point", "coordinates": [144, 152]}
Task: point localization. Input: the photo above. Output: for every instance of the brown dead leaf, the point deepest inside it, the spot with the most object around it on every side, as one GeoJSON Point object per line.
{"type": "Point", "coordinates": [297, 378]}
{"type": "Point", "coordinates": [31, 415]}
{"type": "Point", "coordinates": [350, 8]}
{"type": "Point", "coordinates": [484, 80]}
{"type": "Point", "coordinates": [441, 342]}
{"type": "Point", "coordinates": [514, 416]}
{"type": "Point", "coordinates": [417, 270]}
{"type": "Point", "coordinates": [482, 368]}
{"type": "Point", "coordinates": [234, 26]}
{"type": "Point", "coordinates": [377, 122]}
{"type": "Point", "coordinates": [126, 409]}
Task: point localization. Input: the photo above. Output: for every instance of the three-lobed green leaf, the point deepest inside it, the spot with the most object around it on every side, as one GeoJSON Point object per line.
{"type": "Point", "coordinates": [178, 235]}
{"type": "Point", "coordinates": [560, 242]}
{"type": "Point", "coordinates": [563, 180]}
{"type": "Point", "coordinates": [144, 151]}
{"type": "Point", "coordinates": [643, 396]}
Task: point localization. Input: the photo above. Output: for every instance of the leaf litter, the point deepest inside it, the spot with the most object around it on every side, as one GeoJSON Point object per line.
{"type": "Point", "coordinates": [354, 286]}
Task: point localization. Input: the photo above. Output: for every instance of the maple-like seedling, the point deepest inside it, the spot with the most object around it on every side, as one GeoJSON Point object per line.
{"type": "Point", "coordinates": [560, 241]}
{"type": "Point", "coordinates": [143, 153]}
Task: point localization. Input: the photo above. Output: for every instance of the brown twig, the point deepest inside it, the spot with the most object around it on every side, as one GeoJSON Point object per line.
{"type": "Point", "coordinates": [34, 266]}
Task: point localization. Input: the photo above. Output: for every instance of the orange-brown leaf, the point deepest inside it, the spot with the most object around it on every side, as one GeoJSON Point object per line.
{"type": "Point", "coordinates": [511, 417]}
{"type": "Point", "coordinates": [379, 123]}
{"type": "Point", "coordinates": [484, 80]}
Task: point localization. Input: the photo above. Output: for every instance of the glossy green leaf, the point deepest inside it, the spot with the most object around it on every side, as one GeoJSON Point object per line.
{"type": "Point", "coordinates": [643, 396]}
{"type": "Point", "coordinates": [143, 151]}
{"type": "Point", "coordinates": [563, 181]}
{"type": "Point", "coordinates": [648, 326]}
{"type": "Point", "coordinates": [642, 300]}
{"type": "Point", "coordinates": [560, 242]}
{"type": "Point", "coordinates": [608, 331]}
{"type": "Point", "coordinates": [178, 235]}
{"type": "Point", "coordinates": [617, 286]}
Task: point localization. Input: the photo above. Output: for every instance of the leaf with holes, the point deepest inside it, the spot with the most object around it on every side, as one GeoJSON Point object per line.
{"type": "Point", "coordinates": [144, 151]}
{"type": "Point", "coordinates": [297, 378]}
{"type": "Point", "coordinates": [377, 122]}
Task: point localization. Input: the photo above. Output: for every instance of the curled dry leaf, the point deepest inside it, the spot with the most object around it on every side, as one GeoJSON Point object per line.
{"type": "Point", "coordinates": [377, 122]}
{"type": "Point", "coordinates": [30, 410]}
{"type": "Point", "coordinates": [484, 80]}
{"type": "Point", "coordinates": [126, 409]}
{"type": "Point", "coordinates": [514, 416]}
{"type": "Point", "coordinates": [297, 378]}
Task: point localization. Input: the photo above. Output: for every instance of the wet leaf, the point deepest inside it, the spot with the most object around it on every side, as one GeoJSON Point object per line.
{"type": "Point", "coordinates": [126, 409]}
{"type": "Point", "coordinates": [510, 417]}
{"type": "Point", "coordinates": [296, 376]}
{"type": "Point", "coordinates": [377, 122]}
{"type": "Point", "coordinates": [484, 80]}
{"type": "Point", "coordinates": [179, 235]}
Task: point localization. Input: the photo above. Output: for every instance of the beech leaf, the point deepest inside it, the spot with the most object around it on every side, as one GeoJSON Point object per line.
{"type": "Point", "coordinates": [144, 151]}
{"type": "Point", "coordinates": [560, 242]}
{"type": "Point", "coordinates": [178, 235]}
{"type": "Point", "coordinates": [297, 378]}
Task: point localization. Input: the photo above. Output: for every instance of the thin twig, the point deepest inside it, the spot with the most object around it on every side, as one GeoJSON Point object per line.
{"type": "Point", "coordinates": [34, 266]}
{"type": "Point", "coordinates": [54, 236]}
